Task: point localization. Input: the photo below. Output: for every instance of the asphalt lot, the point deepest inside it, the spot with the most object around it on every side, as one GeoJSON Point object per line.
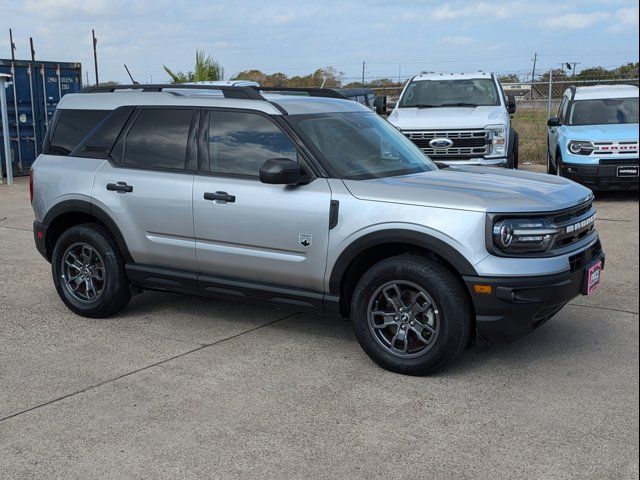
{"type": "Point", "coordinates": [182, 387]}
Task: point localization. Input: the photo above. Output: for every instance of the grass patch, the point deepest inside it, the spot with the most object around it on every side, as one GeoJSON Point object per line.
{"type": "Point", "coordinates": [532, 129]}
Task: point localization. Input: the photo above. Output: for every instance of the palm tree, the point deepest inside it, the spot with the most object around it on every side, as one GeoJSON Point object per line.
{"type": "Point", "coordinates": [206, 69]}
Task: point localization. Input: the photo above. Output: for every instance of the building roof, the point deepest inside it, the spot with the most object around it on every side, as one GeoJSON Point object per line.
{"type": "Point", "coordinates": [606, 91]}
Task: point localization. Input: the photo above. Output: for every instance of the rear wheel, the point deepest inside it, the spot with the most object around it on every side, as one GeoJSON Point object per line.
{"type": "Point", "coordinates": [88, 272]}
{"type": "Point", "coordinates": [411, 315]}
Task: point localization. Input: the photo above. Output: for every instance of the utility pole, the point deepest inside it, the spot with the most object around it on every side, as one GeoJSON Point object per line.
{"type": "Point", "coordinates": [33, 52]}
{"type": "Point", "coordinates": [363, 65]}
{"type": "Point", "coordinates": [12, 45]}
{"type": "Point", "coordinates": [95, 54]}
{"type": "Point", "coordinates": [572, 66]}
{"type": "Point", "coordinates": [533, 74]}
{"type": "Point", "coordinates": [399, 73]}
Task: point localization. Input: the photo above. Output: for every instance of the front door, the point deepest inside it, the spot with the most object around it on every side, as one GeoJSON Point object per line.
{"type": "Point", "coordinates": [251, 231]}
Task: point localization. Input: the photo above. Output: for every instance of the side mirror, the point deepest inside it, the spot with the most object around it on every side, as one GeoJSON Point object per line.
{"type": "Point", "coordinates": [380, 104]}
{"type": "Point", "coordinates": [553, 122]}
{"type": "Point", "coordinates": [511, 104]}
{"type": "Point", "coordinates": [282, 171]}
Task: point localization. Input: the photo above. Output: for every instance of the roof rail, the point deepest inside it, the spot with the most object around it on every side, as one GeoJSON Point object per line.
{"type": "Point", "coordinates": [248, 93]}
{"type": "Point", "coordinates": [311, 91]}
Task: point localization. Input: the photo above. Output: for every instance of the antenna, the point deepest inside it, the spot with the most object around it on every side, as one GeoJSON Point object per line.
{"type": "Point", "coordinates": [129, 73]}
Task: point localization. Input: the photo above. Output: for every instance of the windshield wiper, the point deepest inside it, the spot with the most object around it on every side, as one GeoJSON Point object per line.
{"type": "Point", "coordinates": [421, 105]}
{"type": "Point", "coordinates": [459, 104]}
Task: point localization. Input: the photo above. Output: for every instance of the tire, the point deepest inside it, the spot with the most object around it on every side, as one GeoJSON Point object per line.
{"type": "Point", "coordinates": [551, 169]}
{"type": "Point", "coordinates": [90, 244]}
{"type": "Point", "coordinates": [449, 316]}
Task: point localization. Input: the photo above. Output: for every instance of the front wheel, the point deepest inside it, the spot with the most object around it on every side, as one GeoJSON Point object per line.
{"type": "Point", "coordinates": [88, 272]}
{"type": "Point", "coordinates": [411, 315]}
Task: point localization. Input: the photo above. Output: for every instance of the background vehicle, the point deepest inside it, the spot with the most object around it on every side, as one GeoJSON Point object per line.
{"type": "Point", "coordinates": [306, 201]}
{"type": "Point", "coordinates": [594, 138]}
{"type": "Point", "coordinates": [461, 119]}
{"type": "Point", "coordinates": [367, 97]}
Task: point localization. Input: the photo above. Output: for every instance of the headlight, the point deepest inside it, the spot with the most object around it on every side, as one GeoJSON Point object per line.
{"type": "Point", "coordinates": [580, 148]}
{"type": "Point", "coordinates": [497, 134]}
{"type": "Point", "coordinates": [524, 235]}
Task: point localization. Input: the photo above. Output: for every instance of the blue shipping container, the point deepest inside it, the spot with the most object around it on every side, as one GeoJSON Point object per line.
{"type": "Point", "coordinates": [32, 96]}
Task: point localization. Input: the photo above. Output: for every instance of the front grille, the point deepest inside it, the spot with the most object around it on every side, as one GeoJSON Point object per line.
{"type": "Point", "coordinates": [573, 218]}
{"type": "Point", "coordinates": [584, 258]}
{"type": "Point", "coordinates": [615, 148]}
{"type": "Point", "coordinates": [466, 143]}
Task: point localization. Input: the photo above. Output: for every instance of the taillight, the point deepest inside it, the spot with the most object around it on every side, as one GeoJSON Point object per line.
{"type": "Point", "coordinates": [31, 185]}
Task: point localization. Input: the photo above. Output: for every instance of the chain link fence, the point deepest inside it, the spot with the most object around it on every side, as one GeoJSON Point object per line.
{"type": "Point", "coordinates": [535, 101]}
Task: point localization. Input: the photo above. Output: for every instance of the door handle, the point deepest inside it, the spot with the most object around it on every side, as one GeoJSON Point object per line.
{"type": "Point", "coordinates": [120, 187]}
{"type": "Point", "coordinates": [220, 196]}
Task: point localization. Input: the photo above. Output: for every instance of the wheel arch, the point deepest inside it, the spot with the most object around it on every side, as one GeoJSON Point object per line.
{"type": "Point", "coordinates": [371, 248]}
{"type": "Point", "coordinates": [69, 213]}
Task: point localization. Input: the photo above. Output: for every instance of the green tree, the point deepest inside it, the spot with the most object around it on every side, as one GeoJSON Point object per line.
{"type": "Point", "coordinates": [510, 78]}
{"type": "Point", "coordinates": [206, 69]}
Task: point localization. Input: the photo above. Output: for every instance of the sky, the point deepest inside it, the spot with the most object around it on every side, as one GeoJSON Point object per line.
{"type": "Point", "coordinates": [395, 39]}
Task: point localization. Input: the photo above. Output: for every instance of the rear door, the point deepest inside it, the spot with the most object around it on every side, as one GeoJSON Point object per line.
{"type": "Point", "coordinates": [147, 186]}
{"type": "Point", "coordinates": [271, 234]}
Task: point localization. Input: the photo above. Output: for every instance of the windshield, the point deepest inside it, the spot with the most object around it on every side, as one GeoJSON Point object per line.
{"type": "Point", "coordinates": [359, 146]}
{"type": "Point", "coordinates": [604, 111]}
{"type": "Point", "coordinates": [450, 93]}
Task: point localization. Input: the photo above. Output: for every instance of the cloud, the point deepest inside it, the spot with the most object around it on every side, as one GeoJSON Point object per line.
{"type": "Point", "coordinates": [457, 41]}
{"type": "Point", "coordinates": [283, 18]}
{"type": "Point", "coordinates": [577, 21]}
{"type": "Point", "coordinates": [625, 18]}
{"type": "Point", "coordinates": [476, 10]}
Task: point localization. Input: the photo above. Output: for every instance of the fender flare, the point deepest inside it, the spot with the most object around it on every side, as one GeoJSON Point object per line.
{"type": "Point", "coordinates": [422, 240]}
{"type": "Point", "coordinates": [86, 207]}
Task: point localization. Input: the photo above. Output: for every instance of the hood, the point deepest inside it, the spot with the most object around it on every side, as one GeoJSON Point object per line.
{"type": "Point", "coordinates": [447, 117]}
{"type": "Point", "coordinates": [604, 133]}
{"type": "Point", "coordinates": [482, 189]}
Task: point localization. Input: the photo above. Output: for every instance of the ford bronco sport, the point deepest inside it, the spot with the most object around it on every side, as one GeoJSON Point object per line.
{"type": "Point", "coordinates": [594, 138]}
{"type": "Point", "coordinates": [308, 201]}
{"type": "Point", "coordinates": [459, 119]}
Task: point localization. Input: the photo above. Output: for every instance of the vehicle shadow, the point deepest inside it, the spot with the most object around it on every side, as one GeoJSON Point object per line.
{"type": "Point", "coordinates": [554, 343]}
{"type": "Point", "coordinates": [617, 196]}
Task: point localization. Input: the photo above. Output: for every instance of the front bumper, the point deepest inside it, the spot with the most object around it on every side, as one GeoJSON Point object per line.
{"type": "Point", "coordinates": [601, 177]}
{"type": "Point", "coordinates": [517, 306]}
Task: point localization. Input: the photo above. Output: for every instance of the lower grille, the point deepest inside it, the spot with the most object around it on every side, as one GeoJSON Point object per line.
{"type": "Point", "coordinates": [622, 162]}
{"type": "Point", "coordinates": [584, 258]}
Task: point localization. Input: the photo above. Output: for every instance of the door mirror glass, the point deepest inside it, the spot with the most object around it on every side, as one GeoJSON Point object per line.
{"type": "Point", "coordinates": [282, 171]}
{"type": "Point", "coordinates": [553, 122]}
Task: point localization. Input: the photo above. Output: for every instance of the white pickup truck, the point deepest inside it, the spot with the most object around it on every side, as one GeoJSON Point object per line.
{"type": "Point", "coordinates": [459, 119]}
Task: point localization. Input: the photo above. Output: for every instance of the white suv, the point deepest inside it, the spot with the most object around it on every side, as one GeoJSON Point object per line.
{"type": "Point", "coordinates": [459, 119]}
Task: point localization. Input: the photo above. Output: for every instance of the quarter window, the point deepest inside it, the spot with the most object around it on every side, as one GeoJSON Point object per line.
{"type": "Point", "coordinates": [158, 139]}
{"type": "Point", "coordinates": [240, 142]}
{"type": "Point", "coordinates": [71, 127]}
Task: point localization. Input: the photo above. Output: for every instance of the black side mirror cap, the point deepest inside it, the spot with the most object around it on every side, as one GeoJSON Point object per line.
{"type": "Point", "coordinates": [511, 104]}
{"type": "Point", "coordinates": [380, 104]}
{"type": "Point", "coordinates": [553, 122]}
{"type": "Point", "coordinates": [282, 171]}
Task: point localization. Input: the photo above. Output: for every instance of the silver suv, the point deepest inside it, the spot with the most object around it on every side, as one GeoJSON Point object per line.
{"type": "Point", "coordinates": [304, 200]}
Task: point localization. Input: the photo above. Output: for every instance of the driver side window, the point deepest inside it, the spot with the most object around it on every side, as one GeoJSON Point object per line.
{"type": "Point", "coordinates": [240, 142]}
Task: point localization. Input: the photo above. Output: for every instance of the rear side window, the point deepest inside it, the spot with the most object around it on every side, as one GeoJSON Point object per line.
{"type": "Point", "coordinates": [240, 142]}
{"type": "Point", "coordinates": [158, 139]}
{"type": "Point", "coordinates": [99, 141]}
{"type": "Point", "coordinates": [71, 127]}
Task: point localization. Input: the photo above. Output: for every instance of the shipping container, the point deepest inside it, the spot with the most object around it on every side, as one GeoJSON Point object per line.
{"type": "Point", "coordinates": [32, 96]}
